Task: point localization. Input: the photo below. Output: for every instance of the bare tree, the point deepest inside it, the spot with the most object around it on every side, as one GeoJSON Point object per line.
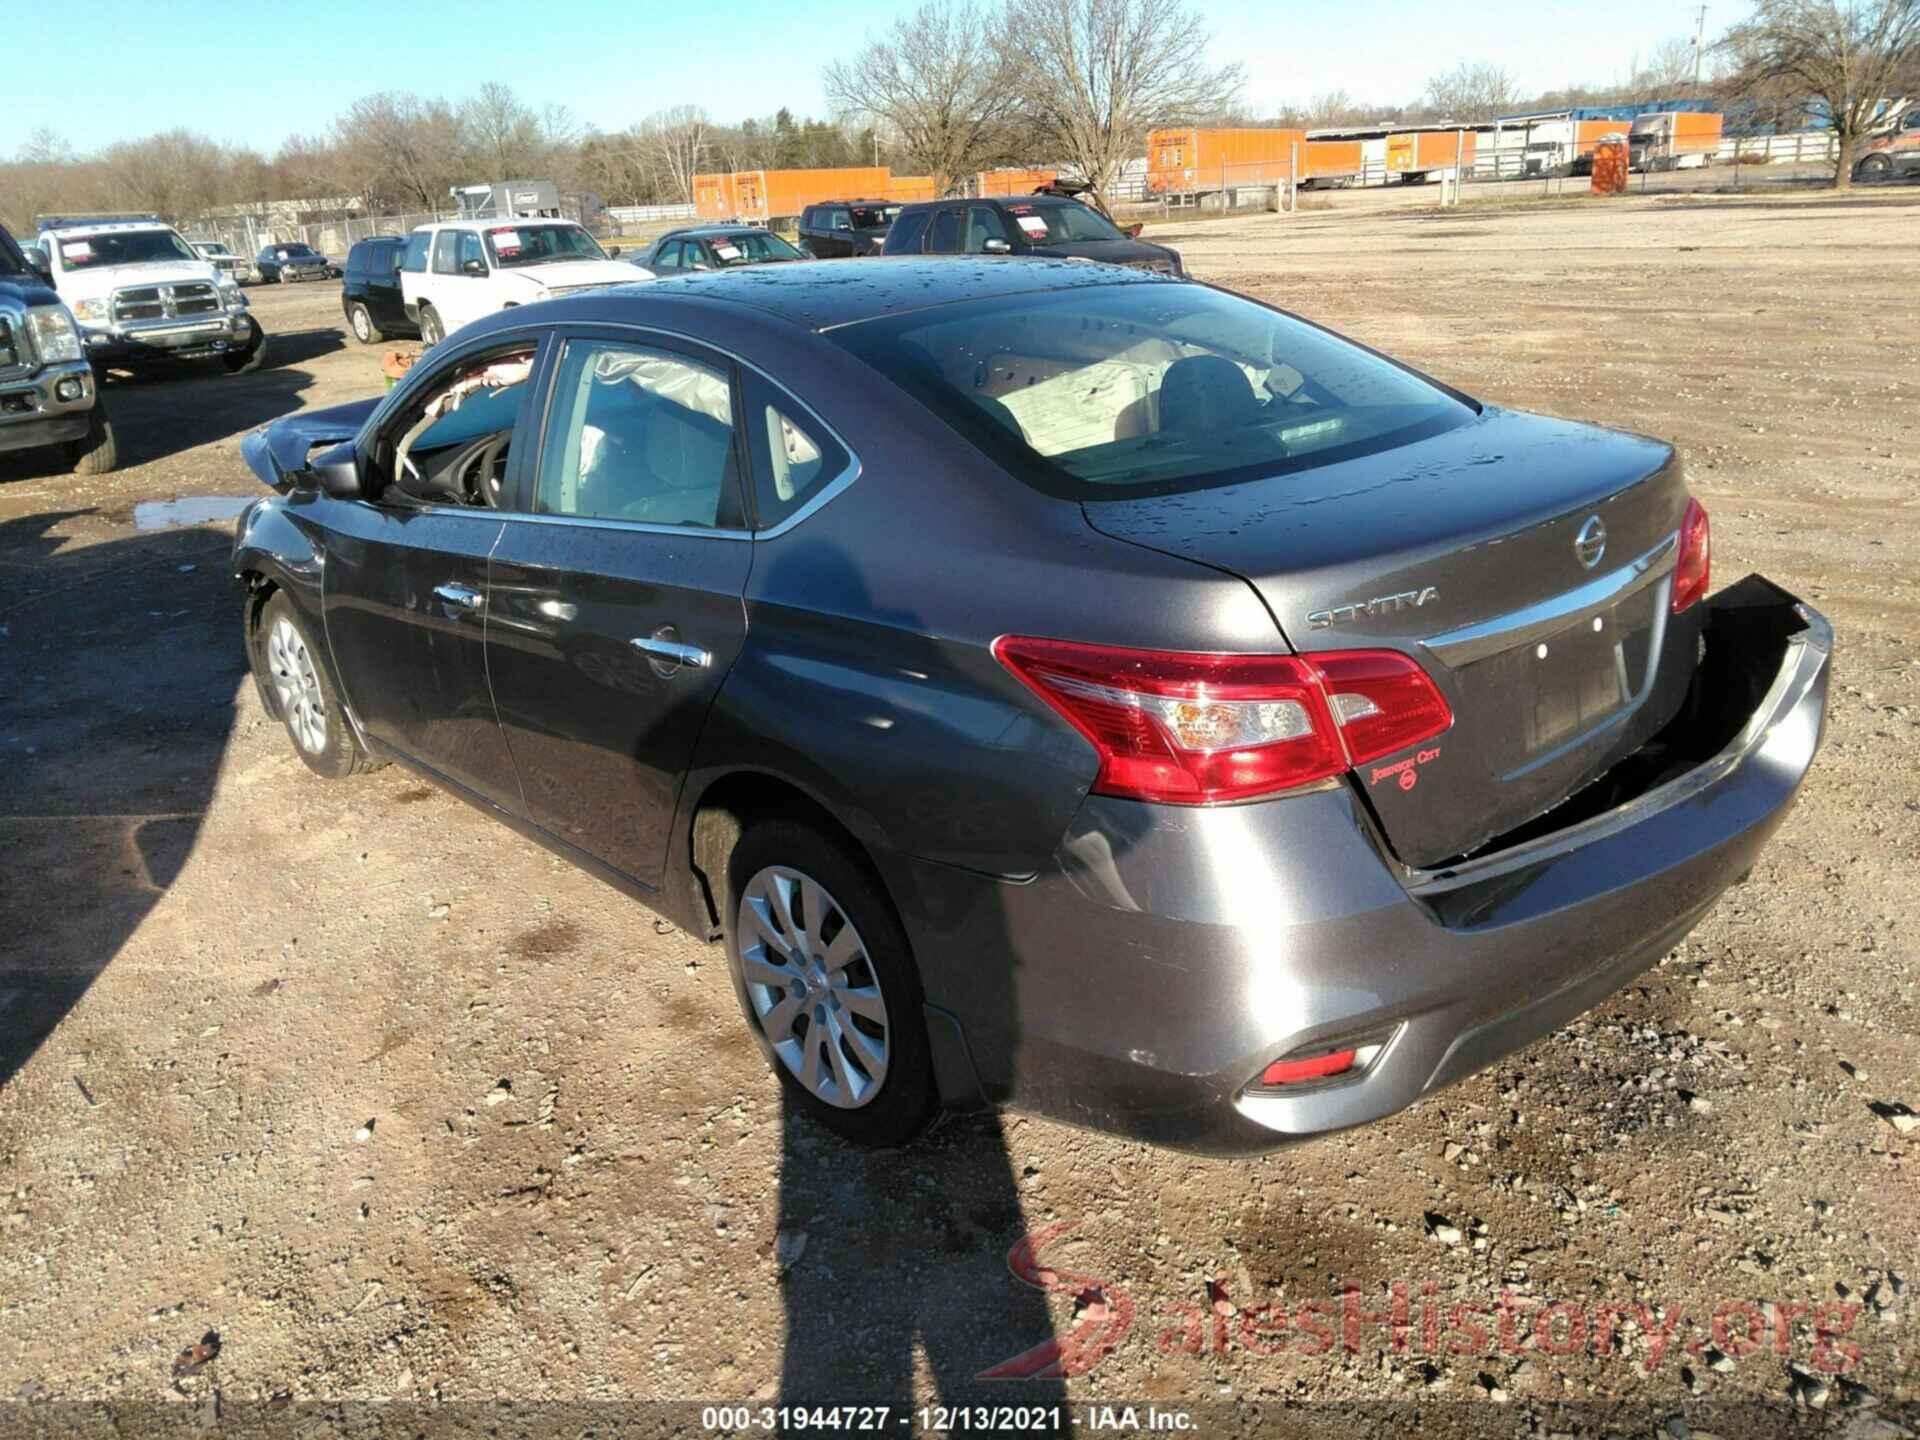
{"type": "Point", "coordinates": [504, 135]}
{"type": "Point", "coordinates": [1095, 77]}
{"type": "Point", "coordinates": [398, 151]}
{"type": "Point", "coordinates": [1668, 71]}
{"type": "Point", "coordinates": [938, 82]}
{"type": "Point", "coordinates": [1852, 56]}
{"type": "Point", "coordinates": [1472, 90]}
{"type": "Point", "coordinates": [674, 145]}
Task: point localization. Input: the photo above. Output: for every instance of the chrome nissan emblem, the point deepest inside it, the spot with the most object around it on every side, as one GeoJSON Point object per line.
{"type": "Point", "coordinates": [1591, 543]}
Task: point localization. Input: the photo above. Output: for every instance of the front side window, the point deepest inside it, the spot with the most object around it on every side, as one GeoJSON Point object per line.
{"type": "Point", "coordinates": [984, 223]}
{"type": "Point", "coordinates": [640, 434]}
{"type": "Point", "coordinates": [470, 251]}
{"type": "Point", "coordinates": [538, 242]}
{"type": "Point", "coordinates": [451, 446]}
{"type": "Point", "coordinates": [667, 258]}
{"type": "Point", "coordinates": [123, 247]}
{"type": "Point", "coordinates": [1106, 390]}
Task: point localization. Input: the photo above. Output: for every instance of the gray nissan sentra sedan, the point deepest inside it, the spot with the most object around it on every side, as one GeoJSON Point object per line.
{"type": "Point", "coordinates": [1055, 684]}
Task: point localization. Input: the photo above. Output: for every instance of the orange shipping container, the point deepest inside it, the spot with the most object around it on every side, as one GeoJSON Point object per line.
{"type": "Point", "coordinates": [1190, 161]}
{"type": "Point", "coordinates": [1413, 152]}
{"type": "Point", "coordinates": [907, 188]}
{"type": "Point", "coordinates": [771, 194]}
{"type": "Point", "coordinates": [713, 197]}
{"type": "Point", "coordinates": [1329, 159]}
{"type": "Point", "coordinates": [1012, 182]}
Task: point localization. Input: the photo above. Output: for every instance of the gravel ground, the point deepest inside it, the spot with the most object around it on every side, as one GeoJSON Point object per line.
{"type": "Point", "coordinates": [400, 1108]}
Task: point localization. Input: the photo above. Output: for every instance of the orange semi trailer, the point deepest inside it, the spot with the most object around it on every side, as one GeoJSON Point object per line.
{"type": "Point", "coordinates": [766, 195]}
{"type": "Point", "coordinates": [1416, 154]}
{"type": "Point", "coordinates": [1012, 182]}
{"type": "Point", "coordinates": [1185, 162]}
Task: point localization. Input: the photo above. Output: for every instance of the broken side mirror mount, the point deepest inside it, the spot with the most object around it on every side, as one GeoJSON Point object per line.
{"type": "Point", "coordinates": [336, 474]}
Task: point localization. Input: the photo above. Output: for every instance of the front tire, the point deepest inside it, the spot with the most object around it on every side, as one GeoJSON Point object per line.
{"type": "Point", "coordinates": [432, 332]}
{"type": "Point", "coordinates": [97, 453]}
{"type": "Point", "coordinates": [1873, 167]}
{"type": "Point", "coordinates": [364, 330]}
{"type": "Point", "coordinates": [827, 982]}
{"type": "Point", "coordinates": [253, 357]}
{"type": "Point", "coordinates": [298, 689]}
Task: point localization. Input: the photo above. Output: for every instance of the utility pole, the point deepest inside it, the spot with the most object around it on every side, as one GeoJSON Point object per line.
{"type": "Point", "coordinates": [1699, 38]}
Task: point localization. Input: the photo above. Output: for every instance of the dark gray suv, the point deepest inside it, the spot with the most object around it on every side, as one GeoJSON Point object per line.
{"type": "Point", "coordinates": [1056, 683]}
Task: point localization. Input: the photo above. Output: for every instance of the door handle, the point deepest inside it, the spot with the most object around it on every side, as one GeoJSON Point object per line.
{"type": "Point", "coordinates": [465, 596]}
{"type": "Point", "coordinates": [666, 653]}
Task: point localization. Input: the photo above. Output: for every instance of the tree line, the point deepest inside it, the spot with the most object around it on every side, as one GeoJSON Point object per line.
{"type": "Point", "coordinates": [950, 88]}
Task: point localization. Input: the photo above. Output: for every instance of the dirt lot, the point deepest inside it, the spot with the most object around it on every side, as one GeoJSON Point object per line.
{"type": "Point", "coordinates": [401, 1107]}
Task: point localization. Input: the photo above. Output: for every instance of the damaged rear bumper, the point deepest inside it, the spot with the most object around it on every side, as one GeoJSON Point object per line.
{"type": "Point", "coordinates": [1169, 955]}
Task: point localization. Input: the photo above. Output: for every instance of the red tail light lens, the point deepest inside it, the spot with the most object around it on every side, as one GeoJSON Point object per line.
{"type": "Point", "coordinates": [1317, 1067]}
{"type": "Point", "coordinates": [1691, 571]}
{"type": "Point", "coordinates": [1190, 729]}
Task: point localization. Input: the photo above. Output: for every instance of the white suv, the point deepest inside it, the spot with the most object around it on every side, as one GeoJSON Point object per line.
{"type": "Point", "coordinates": [459, 270]}
{"type": "Point", "coordinates": [141, 293]}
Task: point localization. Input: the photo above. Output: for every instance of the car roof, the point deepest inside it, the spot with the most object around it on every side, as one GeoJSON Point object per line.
{"type": "Point", "coordinates": [505, 222]}
{"type": "Point", "coordinates": [699, 232]}
{"type": "Point", "coordinates": [826, 294]}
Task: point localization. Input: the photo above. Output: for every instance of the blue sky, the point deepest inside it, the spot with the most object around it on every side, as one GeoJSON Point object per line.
{"type": "Point", "coordinates": [153, 64]}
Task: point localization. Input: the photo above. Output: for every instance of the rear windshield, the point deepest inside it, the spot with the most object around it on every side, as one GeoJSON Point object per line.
{"type": "Point", "coordinates": [1061, 224]}
{"type": "Point", "coordinates": [123, 247]}
{"type": "Point", "coordinates": [289, 251]}
{"type": "Point", "coordinates": [873, 217]}
{"type": "Point", "coordinates": [537, 242]}
{"type": "Point", "coordinates": [1149, 388]}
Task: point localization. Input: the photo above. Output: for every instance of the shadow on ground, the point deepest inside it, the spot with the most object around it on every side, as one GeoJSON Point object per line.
{"type": "Point", "coordinates": [121, 661]}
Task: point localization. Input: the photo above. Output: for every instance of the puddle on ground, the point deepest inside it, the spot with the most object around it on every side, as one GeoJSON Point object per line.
{"type": "Point", "coordinates": [188, 510]}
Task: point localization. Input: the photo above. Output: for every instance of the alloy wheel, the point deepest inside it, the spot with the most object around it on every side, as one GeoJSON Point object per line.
{"type": "Point", "coordinates": [297, 685]}
{"type": "Point", "coordinates": [362, 326]}
{"type": "Point", "coordinates": [813, 987]}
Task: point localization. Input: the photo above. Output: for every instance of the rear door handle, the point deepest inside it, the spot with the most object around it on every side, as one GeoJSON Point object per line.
{"type": "Point", "coordinates": [670, 652]}
{"type": "Point", "coordinates": [465, 596]}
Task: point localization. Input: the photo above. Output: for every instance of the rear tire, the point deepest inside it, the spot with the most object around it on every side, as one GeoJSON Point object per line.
{"type": "Point", "coordinates": [97, 453]}
{"type": "Point", "coordinates": [364, 330]}
{"type": "Point", "coordinates": [1873, 167]}
{"type": "Point", "coordinates": [827, 983]}
{"type": "Point", "coordinates": [432, 332]}
{"type": "Point", "coordinates": [298, 690]}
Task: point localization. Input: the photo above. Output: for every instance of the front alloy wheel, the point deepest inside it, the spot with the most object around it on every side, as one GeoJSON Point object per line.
{"type": "Point", "coordinates": [297, 686]}
{"type": "Point", "coordinates": [813, 987]}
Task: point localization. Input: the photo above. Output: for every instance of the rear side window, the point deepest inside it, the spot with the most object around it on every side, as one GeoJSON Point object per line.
{"type": "Point", "coordinates": [904, 237]}
{"type": "Point", "coordinates": [1110, 389]}
{"type": "Point", "coordinates": [414, 259]}
{"type": "Point", "coordinates": [795, 457]}
{"type": "Point", "coordinates": [943, 238]}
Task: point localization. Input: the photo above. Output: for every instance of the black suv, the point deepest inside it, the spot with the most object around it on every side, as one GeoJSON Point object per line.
{"type": "Point", "coordinates": [715, 247]}
{"type": "Point", "coordinates": [846, 227]}
{"type": "Point", "coordinates": [48, 392]}
{"type": "Point", "coordinates": [370, 293]}
{"type": "Point", "coordinates": [1026, 225]}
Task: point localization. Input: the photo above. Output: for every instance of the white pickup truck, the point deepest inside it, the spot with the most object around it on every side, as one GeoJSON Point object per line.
{"type": "Point", "coordinates": [142, 294]}
{"type": "Point", "coordinates": [456, 271]}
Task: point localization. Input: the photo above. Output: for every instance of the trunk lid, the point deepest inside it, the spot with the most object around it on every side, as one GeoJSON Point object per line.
{"type": "Point", "coordinates": [1469, 551]}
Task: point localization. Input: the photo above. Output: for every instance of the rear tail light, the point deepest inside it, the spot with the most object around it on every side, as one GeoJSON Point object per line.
{"type": "Point", "coordinates": [1690, 572]}
{"type": "Point", "coordinates": [1191, 729]}
{"type": "Point", "coordinates": [1343, 1059]}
